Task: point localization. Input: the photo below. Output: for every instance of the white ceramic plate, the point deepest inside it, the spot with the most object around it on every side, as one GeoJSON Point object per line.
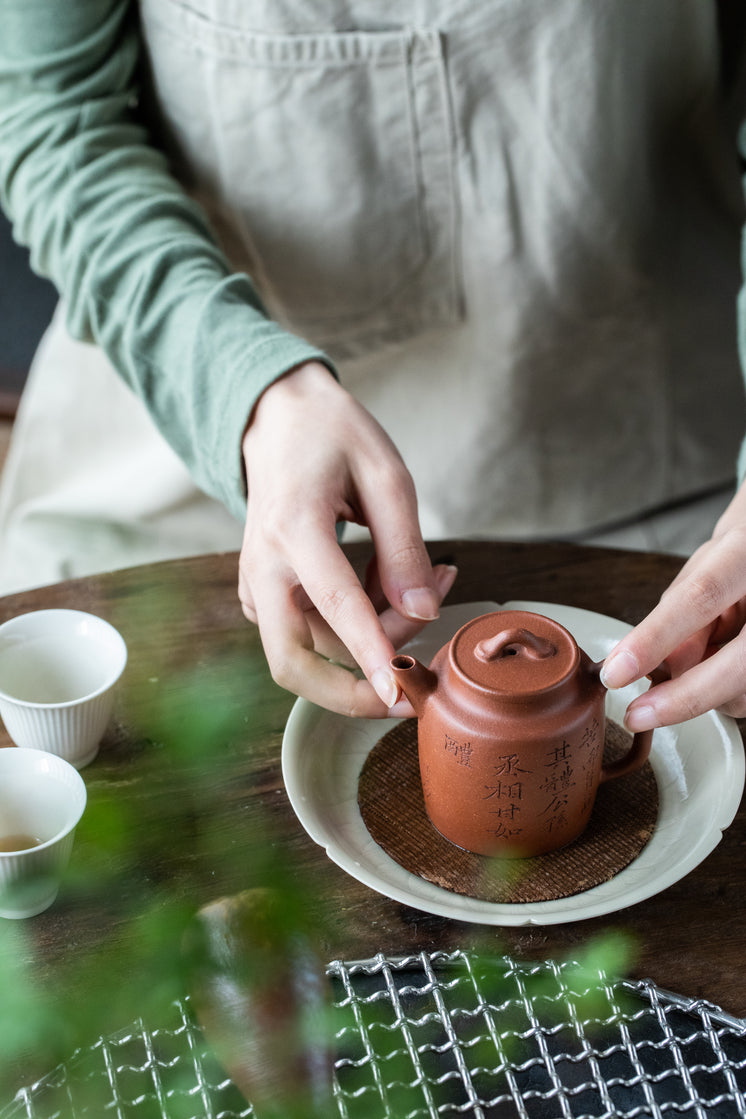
{"type": "Point", "coordinates": [699, 767]}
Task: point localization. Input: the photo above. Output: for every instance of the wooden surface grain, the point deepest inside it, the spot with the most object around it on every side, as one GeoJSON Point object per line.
{"type": "Point", "coordinates": [208, 814]}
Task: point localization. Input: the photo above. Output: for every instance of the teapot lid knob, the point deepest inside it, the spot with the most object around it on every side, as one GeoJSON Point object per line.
{"type": "Point", "coordinates": [515, 642]}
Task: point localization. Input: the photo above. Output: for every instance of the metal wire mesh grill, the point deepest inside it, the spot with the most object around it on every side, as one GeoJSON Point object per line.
{"type": "Point", "coordinates": [437, 1035]}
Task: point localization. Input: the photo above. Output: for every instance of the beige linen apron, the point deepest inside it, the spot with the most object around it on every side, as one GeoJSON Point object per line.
{"type": "Point", "coordinates": [513, 223]}
{"type": "Point", "coordinates": [90, 484]}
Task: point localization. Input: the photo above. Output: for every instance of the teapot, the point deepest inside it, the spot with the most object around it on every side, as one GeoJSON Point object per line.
{"type": "Point", "coordinates": [511, 729]}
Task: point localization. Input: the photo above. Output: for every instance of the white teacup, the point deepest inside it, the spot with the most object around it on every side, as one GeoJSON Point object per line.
{"type": "Point", "coordinates": [58, 671]}
{"type": "Point", "coordinates": [42, 799]}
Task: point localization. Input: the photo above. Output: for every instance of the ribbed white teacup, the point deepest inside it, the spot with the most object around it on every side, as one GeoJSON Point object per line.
{"type": "Point", "coordinates": [58, 672]}
{"type": "Point", "coordinates": [42, 799]}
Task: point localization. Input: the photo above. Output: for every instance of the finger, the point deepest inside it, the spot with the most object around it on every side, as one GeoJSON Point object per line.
{"type": "Point", "coordinates": [326, 642]}
{"type": "Point", "coordinates": [402, 709]}
{"type": "Point", "coordinates": [327, 577]}
{"type": "Point", "coordinates": [400, 630]}
{"type": "Point", "coordinates": [730, 623]}
{"type": "Point", "coordinates": [719, 679]}
{"type": "Point", "coordinates": [373, 588]}
{"type": "Point", "coordinates": [295, 664]}
{"type": "Point", "coordinates": [689, 653]}
{"type": "Point", "coordinates": [735, 707]}
{"type": "Point", "coordinates": [245, 596]}
{"type": "Point", "coordinates": [697, 557]}
{"type": "Point", "coordinates": [404, 566]}
{"type": "Point", "coordinates": [693, 605]}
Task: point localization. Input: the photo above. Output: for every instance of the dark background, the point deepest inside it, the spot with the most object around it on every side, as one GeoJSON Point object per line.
{"type": "Point", "coordinates": [26, 305]}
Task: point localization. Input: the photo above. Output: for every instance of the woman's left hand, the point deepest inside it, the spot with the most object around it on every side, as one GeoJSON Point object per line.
{"type": "Point", "coordinates": [696, 634]}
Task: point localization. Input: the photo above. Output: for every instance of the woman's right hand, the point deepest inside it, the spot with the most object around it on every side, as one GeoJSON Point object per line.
{"type": "Point", "coordinates": [314, 456]}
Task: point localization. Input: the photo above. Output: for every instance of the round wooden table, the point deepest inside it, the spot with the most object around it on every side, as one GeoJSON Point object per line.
{"type": "Point", "coordinates": [186, 799]}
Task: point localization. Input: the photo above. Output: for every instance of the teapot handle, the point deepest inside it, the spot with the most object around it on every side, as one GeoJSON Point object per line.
{"type": "Point", "coordinates": [635, 757]}
{"type": "Point", "coordinates": [639, 751]}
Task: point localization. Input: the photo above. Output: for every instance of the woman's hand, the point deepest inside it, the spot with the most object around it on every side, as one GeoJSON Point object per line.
{"type": "Point", "coordinates": [314, 456]}
{"type": "Point", "coordinates": [697, 633]}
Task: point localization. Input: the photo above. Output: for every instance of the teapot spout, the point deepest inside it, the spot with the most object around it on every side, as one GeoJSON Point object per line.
{"type": "Point", "coordinates": [416, 681]}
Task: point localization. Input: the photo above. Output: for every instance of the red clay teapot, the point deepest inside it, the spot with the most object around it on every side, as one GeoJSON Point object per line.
{"type": "Point", "coordinates": [511, 727]}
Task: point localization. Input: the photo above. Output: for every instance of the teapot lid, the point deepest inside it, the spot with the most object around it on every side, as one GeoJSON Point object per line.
{"type": "Point", "coordinates": [514, 652]}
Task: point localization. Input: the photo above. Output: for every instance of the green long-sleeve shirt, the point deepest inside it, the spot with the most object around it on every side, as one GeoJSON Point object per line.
{"type": "Point", "coordinates": [131, 253]}
{"type": "Point", "coordinates": [576, 238]}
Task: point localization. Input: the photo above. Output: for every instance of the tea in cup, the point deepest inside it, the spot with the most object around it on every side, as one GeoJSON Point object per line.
{"type": "Point", "coordinates": [42, 799]}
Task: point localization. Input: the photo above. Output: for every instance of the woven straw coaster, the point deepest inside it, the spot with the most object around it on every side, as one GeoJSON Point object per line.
{"type": "Point", "coordinates": [392, 806]}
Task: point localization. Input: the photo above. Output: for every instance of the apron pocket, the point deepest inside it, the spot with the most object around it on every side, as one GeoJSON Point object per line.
{"type": "Point", "coordinates": [332, 155]}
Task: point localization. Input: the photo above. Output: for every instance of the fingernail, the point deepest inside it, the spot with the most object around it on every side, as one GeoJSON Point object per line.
{"type": "Point", "coordinates": [385, 686]}
{"type": "Point", "coordinates": [445, 577]}
{"type": "Point", "coordinates": [640, 718]}
{"type": "Point", "coordinates": [421, 603]}
{"type": "Point", "coordinates": [619, 670]}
